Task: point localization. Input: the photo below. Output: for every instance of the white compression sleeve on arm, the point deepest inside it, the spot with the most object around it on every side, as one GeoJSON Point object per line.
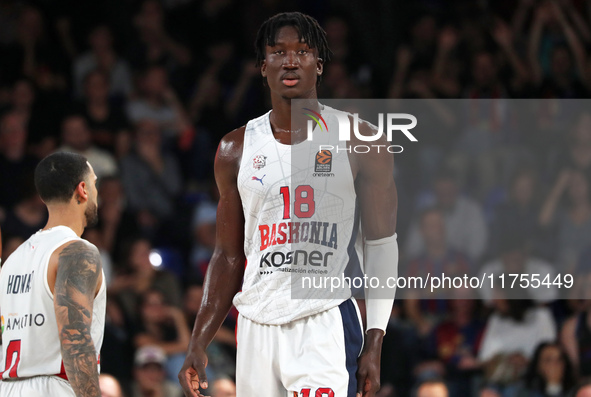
{"type": "Point", "coordinates": [381, 262]}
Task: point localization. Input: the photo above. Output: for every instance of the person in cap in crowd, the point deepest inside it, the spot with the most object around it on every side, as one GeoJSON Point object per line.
{"type": "Point", "coordinates": [150, 376]}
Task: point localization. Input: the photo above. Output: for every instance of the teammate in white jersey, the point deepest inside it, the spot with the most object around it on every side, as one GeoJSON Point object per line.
{"type": "Point", "coordinates": [52, 294]}
{"type": "Point", "coordinates": [310, 346]}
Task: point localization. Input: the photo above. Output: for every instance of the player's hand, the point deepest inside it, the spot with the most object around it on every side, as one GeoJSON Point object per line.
{"type": "Point", "coordinates": [368, 364]}
{"type": "Point", "coordinates": [192, 375]}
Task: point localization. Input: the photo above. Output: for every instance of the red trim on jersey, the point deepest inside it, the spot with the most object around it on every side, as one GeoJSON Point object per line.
{"type": "Point", "coordinates": [62, 373]}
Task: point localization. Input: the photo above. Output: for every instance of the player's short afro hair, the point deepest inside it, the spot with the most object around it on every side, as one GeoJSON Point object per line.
{"type": "Point", "coordinates": [310, 32]}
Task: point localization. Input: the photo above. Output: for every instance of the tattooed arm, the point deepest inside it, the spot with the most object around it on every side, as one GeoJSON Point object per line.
{"type": "Point", "coordinates": [76, 283]}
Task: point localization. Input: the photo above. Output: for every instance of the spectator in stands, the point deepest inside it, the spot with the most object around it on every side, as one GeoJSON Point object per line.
{"type": "Point", "coordinates": [102, 57]}
{"type": "Point", "coordinates": [110, 386]}
{"type": "Point", "coordinates": [28, 216]}
{"type": "Point", "coordinates": [504, 358]}
{"type": "Point", "coordinates": [437, 257]}
{"type": "Point", "coordinates": [116, 222]}
{"type": "Point", "coordinates": [153, 44]}
{"type": "Point", "coordinates": [485, 81]}
{"type": "Point", "coordinates": [139, 276]}
{"type": "Point", "coordinates": [515, 258]}
{"type": "Point", "coordinates": [207, 104]}
{"type": "Point", "coordinates": [76, 137]}
{"type": "Point", "coordinates": [41, 117]}
{"type": "Point", "coordinates": [203, 226]}
{"type": "Point", "coordinates": [164, 326]}
{"type": "Point", "coordinates": [561, 81]}
{"type": "Point", "coordinates": [465, 226]}
{"type": "Point", "coordinates": [487, 147]}
{"type": "Point", "coordinates": [150, 176]}
{"type": "Point", "coordinates": [95, 236]}
{"type": "Point", "coordinates": [577, 152]}
{"type": "Point", "coordinates": [575, 336]}
{"type": "Point", "coordinates": [518, 212]}
{"type": "Point", "coordinates": [158, 103]}
{"type": "Point", "coordinates": [432, 389]}
{"type": "Point", "coordinates": [15, 165]}
{"type": "Point", "coordinates": [452, 347]}
{"type": "Point", "coordinates": [573, 222]}
{"type": "Point", "coordinates": [489, 391]}
{"type": "Point", "coordinates": [446, 67]}
{"type": "Point", "coordinates": [107, 121]}
{"type": "Point", "coordinates": [117, 351]}
{"type": "Point", "coordinates": [34, 55]}
{"type": "Point", "coordinates": [223, 387]}
{"type": "Point", "coordinates": [549, 374]}
{"type": "Point", "coordinates": [149, 375]}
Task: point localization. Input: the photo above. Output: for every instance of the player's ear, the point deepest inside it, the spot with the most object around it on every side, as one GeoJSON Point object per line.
{"type": "Point", "coordinates": [319, 66]}
{"type": "Point", "coordinates": [264, 68]}
{"type": "Point", "coordinates": [81, 192]}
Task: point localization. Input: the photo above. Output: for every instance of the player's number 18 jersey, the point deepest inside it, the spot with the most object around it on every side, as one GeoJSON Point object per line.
{"type": "Point", "coordinates": [300, 215]}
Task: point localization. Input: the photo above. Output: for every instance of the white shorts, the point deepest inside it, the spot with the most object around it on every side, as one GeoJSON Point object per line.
{"type": "Point", "coordinates": [37, 386]}
{"type": "Point", "coordinates": [312, 357]}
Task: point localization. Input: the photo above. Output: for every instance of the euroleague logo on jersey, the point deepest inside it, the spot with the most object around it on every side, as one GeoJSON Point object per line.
{"type": "Point", "coordinates": [323, 164]}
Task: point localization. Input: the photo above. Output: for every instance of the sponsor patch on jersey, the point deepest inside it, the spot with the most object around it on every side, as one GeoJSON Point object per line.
{"type": "Point", "coordinates": [323, 161]}
{"type": "Point", "coordinates": [259, 161]}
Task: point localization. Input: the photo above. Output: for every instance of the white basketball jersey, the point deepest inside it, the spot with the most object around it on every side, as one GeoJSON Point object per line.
{"type": "Point", "coordinates": [30, 341]}
{"type": "Point", "coordinates": [300, 213]}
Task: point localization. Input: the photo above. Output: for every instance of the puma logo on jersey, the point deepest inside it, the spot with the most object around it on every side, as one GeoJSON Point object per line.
{"type": "Point", "coordinates": [254, 178]}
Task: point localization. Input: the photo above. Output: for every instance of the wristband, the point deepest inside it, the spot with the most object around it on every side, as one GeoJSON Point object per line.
{"type": "Point", "coordinates": [381, 262]}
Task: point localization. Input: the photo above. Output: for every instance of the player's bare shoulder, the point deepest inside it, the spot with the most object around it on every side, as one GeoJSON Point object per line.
{"type": "Point", "coordinates": [229, 151]}
{"type": "Point", "coordinates": [77, 258]}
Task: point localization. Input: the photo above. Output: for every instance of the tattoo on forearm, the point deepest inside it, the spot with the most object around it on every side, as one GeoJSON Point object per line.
{"type": "Point", "coordinates": [79, 268]}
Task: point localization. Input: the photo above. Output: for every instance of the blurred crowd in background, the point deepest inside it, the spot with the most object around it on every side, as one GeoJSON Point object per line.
{"type": "Point", "coordinates": [146, 89]}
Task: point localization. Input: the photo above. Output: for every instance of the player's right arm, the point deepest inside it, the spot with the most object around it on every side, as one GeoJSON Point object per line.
{"type": "Point", "coordinates": [226, 267]}
{"type": "Point", "coordinates": [77, 280]}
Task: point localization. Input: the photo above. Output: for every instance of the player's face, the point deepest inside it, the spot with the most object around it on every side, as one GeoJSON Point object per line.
{"type": "Point", "coordinates": [91, 212]}
{"type": "Point", "coordinates": [291, 66]}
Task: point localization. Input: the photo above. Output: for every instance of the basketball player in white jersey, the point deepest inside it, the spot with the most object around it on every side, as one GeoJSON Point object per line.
{"type": "Point", "coordinates": [52, 294]}
{"type": "Point", "coordinates": [295, 347]}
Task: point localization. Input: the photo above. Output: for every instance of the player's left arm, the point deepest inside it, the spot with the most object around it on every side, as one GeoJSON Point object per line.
{"type": "Point", "coordinates": [79, 274]}
{"type": "Point", "coordinates": [378, 200]}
